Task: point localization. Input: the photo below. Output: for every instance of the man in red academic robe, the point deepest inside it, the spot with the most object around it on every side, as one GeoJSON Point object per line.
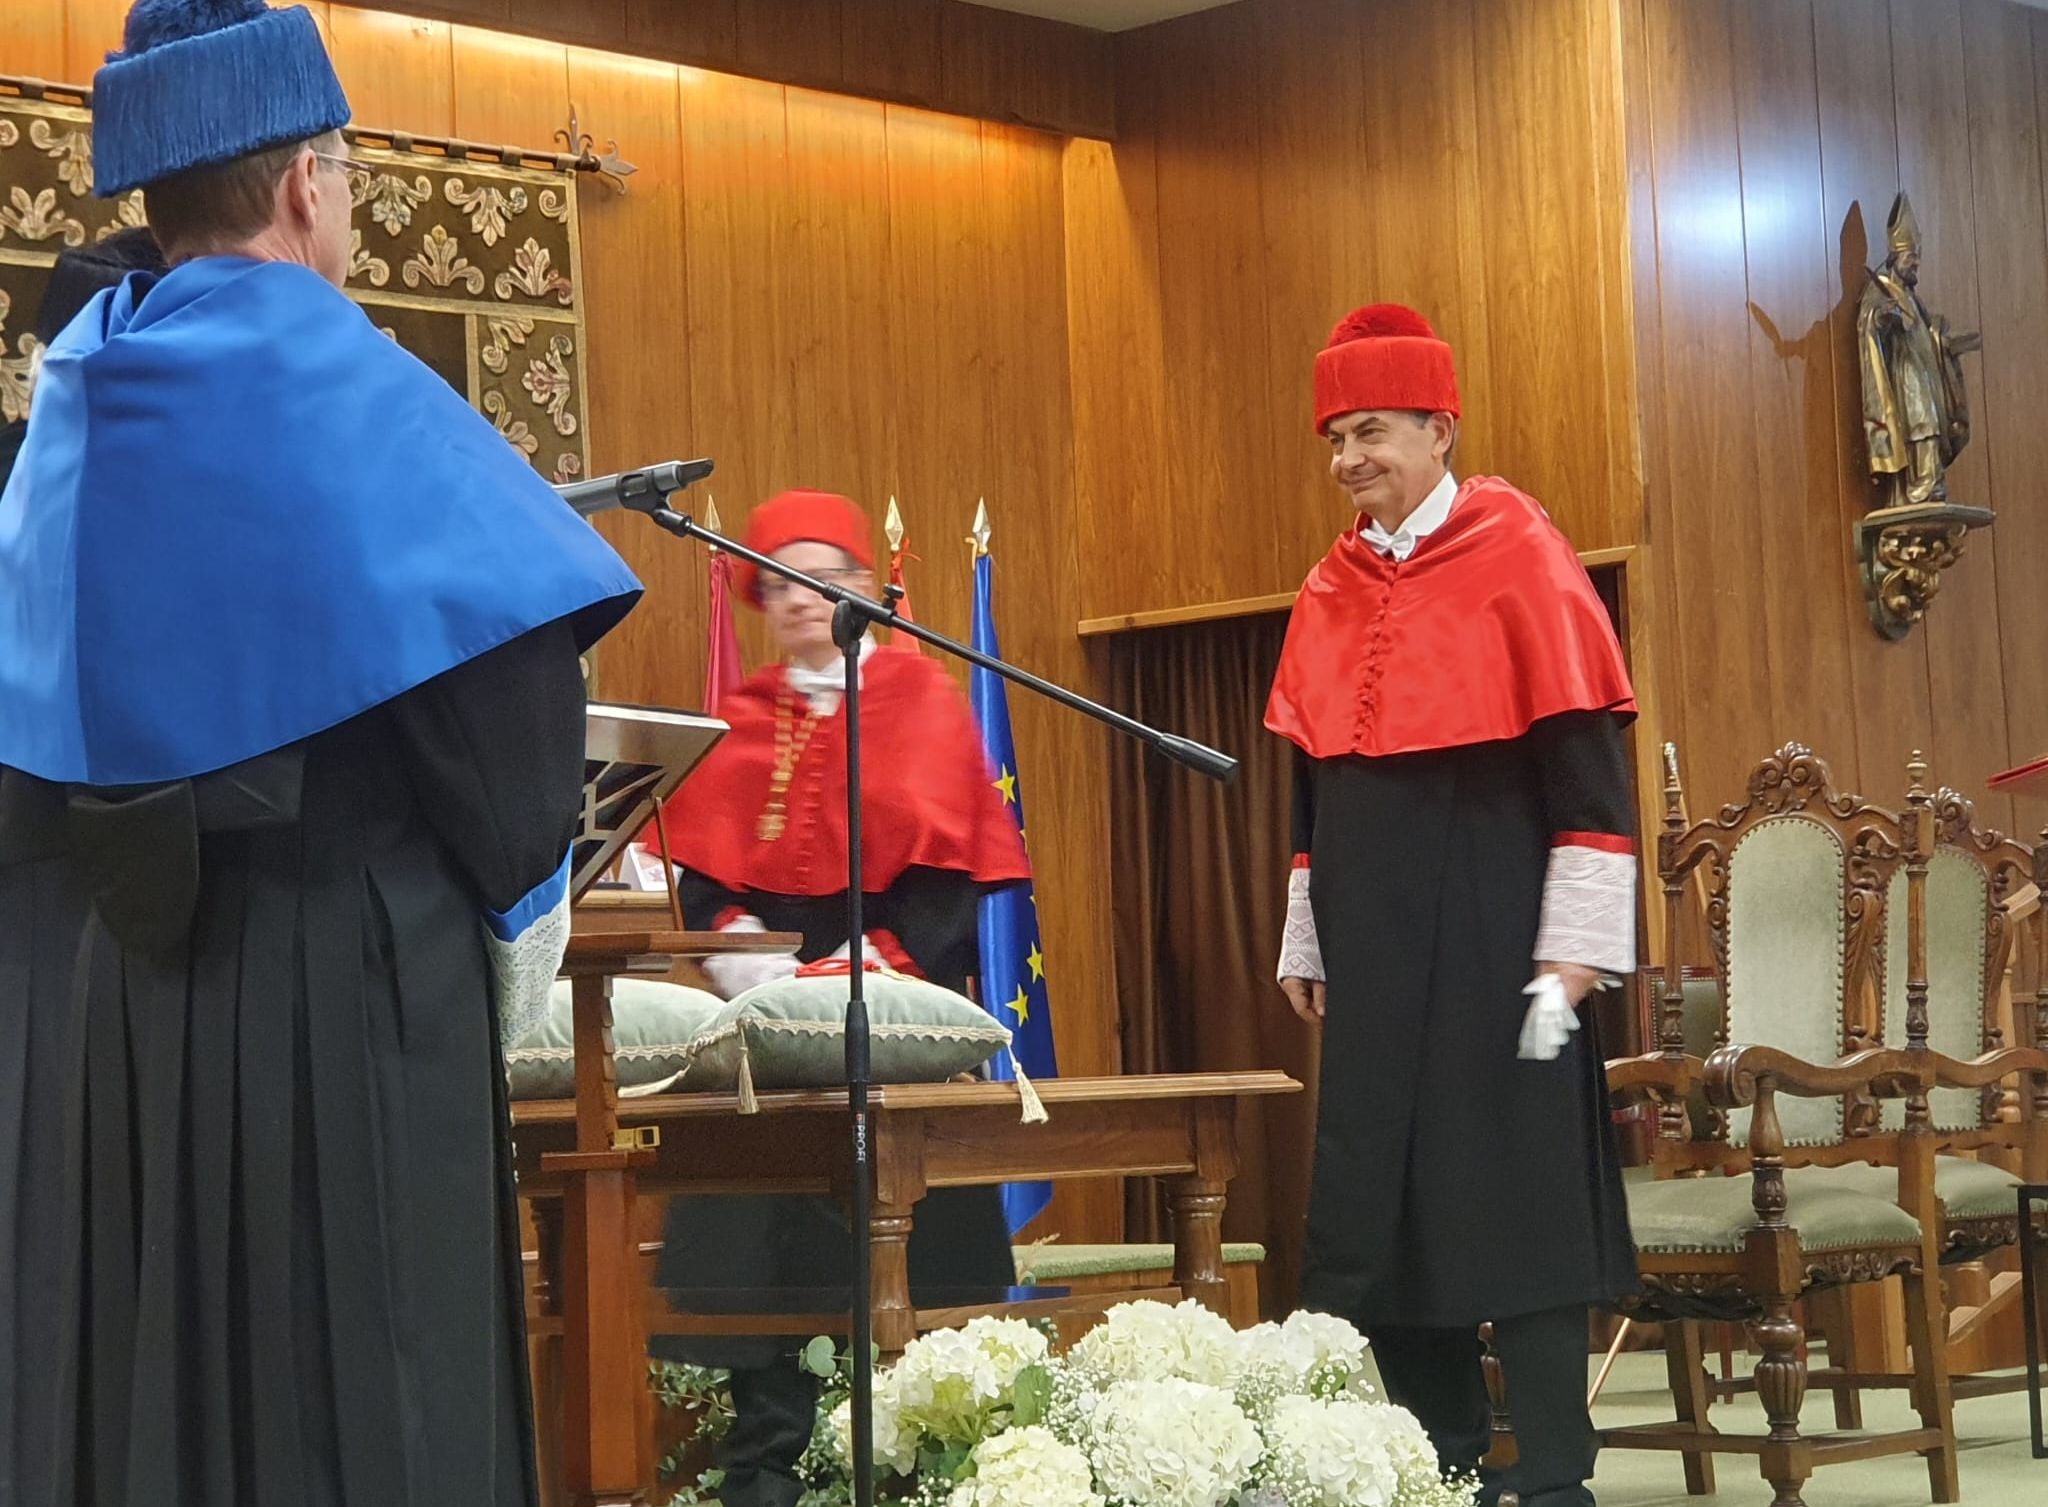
{"type": "Point", "coordinates": [759, 837]}
{"type": "Point", "coordinates": [1464, 877]}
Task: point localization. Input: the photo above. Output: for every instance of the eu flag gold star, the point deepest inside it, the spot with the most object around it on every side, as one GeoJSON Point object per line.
{"type": "Point", "coordinates": [1021, 1005]}
{"type": "Point", "coordinates": [1008, 786]}
{"type": "Point", "coordinates": [1037, 961]}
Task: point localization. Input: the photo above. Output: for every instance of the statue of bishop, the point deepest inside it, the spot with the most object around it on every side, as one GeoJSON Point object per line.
{"type": "Point", "coordinates": [1916, 418]}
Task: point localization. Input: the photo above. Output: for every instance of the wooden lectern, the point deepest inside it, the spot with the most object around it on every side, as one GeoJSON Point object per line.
{"type": "Point", "coordinates": [635, 758]}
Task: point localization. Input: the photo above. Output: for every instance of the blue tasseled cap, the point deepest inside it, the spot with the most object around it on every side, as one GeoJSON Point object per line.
{"type": "Point", "coordinates": [206, 81]}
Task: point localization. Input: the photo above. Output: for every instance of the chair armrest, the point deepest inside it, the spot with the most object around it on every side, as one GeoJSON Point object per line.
{"type": "Point", "coordinates": [1738, 1076]}
{"type": "Point", "coordinates": [1654, 1074]}
{"type": "Point", "coordinates": [1980, 1072]}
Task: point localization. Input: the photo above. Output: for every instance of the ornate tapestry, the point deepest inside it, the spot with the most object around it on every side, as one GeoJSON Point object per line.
{"type": "Point", "coordinates": [467, 256]}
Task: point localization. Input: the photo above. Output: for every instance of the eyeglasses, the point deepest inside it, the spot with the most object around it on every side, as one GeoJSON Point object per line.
{"type": "Point", "coordinates": [774, 588]}
{"type": "Point", "coordinates": [345, 165]}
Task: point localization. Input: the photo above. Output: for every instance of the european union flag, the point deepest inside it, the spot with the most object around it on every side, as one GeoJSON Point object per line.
{"type": "Point", "coordinates": [1012, 966]}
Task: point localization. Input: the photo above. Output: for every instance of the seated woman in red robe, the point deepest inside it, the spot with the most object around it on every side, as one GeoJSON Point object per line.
{"type": "Point", "coordinates": [759, 837]}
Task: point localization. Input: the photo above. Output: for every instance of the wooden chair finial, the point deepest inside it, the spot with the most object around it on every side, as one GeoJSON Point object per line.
{"type": "Point", "coordinates": [1916, 775]}
{"type": "Point", "coordinates": [1674, 792]}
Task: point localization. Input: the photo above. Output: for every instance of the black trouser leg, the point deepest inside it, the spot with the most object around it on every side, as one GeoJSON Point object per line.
{"type": "Point", "coordinates": [1543, 1363]}
{"type": "Point", "coordinates": [1435, 1374]}
{"type": "Point", "coordinates": [774, 1407]}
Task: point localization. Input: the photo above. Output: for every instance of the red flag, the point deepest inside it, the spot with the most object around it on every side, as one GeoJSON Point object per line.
{"type": "Point", "coordinates": [722, 668]}
{"type": "Point", "coordinates": [896, 559]}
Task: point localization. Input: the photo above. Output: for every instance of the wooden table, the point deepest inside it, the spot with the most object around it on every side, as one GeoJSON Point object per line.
{"type": "Point", "coordinates": [932, 1135]}
{"type": "Point", "coordinates": [936, 1135]}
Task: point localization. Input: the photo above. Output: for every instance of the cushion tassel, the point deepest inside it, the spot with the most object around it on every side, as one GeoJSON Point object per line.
{"type": "Point", "coordinates": [1034, 1107]}
{"type": "Point", "coordinates": [749, 1105]}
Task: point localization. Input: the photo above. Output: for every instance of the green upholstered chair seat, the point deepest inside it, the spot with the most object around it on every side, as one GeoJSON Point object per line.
{"type": "Point", "coordinates": [1713, 1215]}
{"type": "Point", "coordinates": [1053, 1264]}
{"type": "Point", "coordinates": [1967, 1188]}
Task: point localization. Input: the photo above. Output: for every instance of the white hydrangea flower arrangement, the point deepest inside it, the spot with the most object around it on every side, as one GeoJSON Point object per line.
{"type": "Point", "coordinates": [1157, 1406]}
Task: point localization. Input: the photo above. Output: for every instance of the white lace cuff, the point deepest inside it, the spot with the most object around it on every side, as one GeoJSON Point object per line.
{"type": "Point", "coordinates": [1301, 956]}
{"type": "Point", "coordinates": [525, 945]}
{"type": "Point", "coordinates": [1589, 910]}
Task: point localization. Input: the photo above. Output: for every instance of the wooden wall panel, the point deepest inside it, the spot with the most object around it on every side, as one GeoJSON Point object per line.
{"type": "Point", "coordinates": [1218, 466]}
{"type": "Point", "coordinates": [399, 71]}
{"type": "Point", "coordinates": [1030, 469]}
{"type": "Point", "coordinates": [938, 266]}
{"type": "Point", "coordinates": [1555, 416]}
{"type": "Point", "coordinates": [834, 307]}
{"type": "Point", "coordinates": [1932, 113]}
{"type": "Point", "coordinates": [795, 40]}
{"type": "Point", "coordinates": [739, 350]}
{"type": "Point", "coordinates": [1113, 298]}
{"type": "Point", "coordinates": [1790, 380]}
{"type": "Point", "coordinates": [92, 30]}
{"type": "Point", "coordinates": [594, 23]}
{"type": "Point", "coordinates": [636, 295]}
{"type": "Point", "coordinates": [704, 31]}
{"type": "Point", "coordinates": [1714, 519]}
{"type": "Point", "coordinates": [1775, 173]}
{"type": "Point", "coordinates": [2012, 258]}
{"type": "Point", "coordinates": [1314, 240]}
{"type": "Point", "coordinates": [942, 54]}
{"type": "Point", "coordinates": [508, 89]}
{"type": "Point", "coordinates": [32, 42]}
{"type": "Point", "coordinates": [896, 48]}
{"type": "Point", "coordinates": [1860, 173]}
{"type": "Point", "coordinates": [1289, 186]}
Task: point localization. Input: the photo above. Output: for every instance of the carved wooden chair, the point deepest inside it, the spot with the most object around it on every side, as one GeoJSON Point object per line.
{"type": "Point", "coordinates": [1989, 1113]}
{"type": "Point", "coordinates": [1745, 1223]}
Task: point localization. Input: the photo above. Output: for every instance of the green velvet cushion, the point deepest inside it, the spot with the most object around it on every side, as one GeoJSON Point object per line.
{"type": "Point", "coordinates": [792, 1034]}
{"type": "Point", "coordinates": [1713, 1214]}
{"type": "Point", "coordinates": [1967, 1188]}
{"type": "Point", "coordinates": [654, 1026]}
{"type": "Point", "coordinates": [1057, 1262]}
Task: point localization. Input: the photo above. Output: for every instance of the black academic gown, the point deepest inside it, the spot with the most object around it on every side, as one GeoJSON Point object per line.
{"type": "Point", "coordinates": [959, 1238]}
{"type": "Point", "coordinates": [1455, 1183]}
{"type": "Point", "coordinates": [255, 1184]}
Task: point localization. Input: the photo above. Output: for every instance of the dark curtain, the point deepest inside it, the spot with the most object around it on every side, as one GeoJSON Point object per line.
{"type": "Point", "coordinates": [1198, 884]}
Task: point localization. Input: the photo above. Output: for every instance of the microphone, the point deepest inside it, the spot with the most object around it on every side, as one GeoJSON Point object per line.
{"type": "Point", "coordinates": [643, 491]}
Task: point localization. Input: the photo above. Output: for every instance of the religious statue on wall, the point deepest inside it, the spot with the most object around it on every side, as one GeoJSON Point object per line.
{"type": "Point", "coordinates": [1916, 421]}
{"type": "Point", "coordinates": [1916, 415]}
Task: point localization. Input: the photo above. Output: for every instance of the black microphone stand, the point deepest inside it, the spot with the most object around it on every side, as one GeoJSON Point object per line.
{"type": "Point", "coordinates": [852, 616]}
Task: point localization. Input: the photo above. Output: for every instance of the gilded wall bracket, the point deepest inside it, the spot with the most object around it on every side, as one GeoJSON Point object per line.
{"type": "Point", "coordinates": [1903, 551]}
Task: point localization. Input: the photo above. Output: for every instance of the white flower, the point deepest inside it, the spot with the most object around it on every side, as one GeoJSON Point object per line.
{"type": "Point", "coordinates": [1170, 1443]}
{"type": "Point", "coordinates": [1028, 1467]}
{"type": "Point", "coordinates": [1011, 1345]}
{"type": "Point", "coordinates": [895, 1445]}
{"type": "Point", "coordinates": [949, 1382]}
{"type": "Point", "coordinates": [1270, 1349]}
{"type": "Point", "coordinates": [1326, 1340]}
{"type": "Point", "coordinates": [1347, 1453]}
{"type": "Point", "coordinates": [1148, 1341]}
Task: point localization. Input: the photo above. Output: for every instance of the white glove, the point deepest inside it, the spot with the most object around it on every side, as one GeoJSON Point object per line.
{"type": "Point", "coordinates": [1301, 955]}
{"type": "Point", "coordinates": [1550, 1022]}
{"type": "Point", "coordinates": [734, 973]}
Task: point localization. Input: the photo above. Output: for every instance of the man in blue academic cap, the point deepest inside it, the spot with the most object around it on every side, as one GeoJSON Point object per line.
{"type": "Point", "coordinates": [290, 701]}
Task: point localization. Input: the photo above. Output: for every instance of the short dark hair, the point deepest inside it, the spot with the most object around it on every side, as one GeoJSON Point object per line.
{"type": "Point", "coordinates": [212, 208]}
